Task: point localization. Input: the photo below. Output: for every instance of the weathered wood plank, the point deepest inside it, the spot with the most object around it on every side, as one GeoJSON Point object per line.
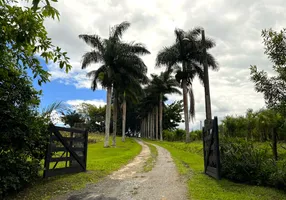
{"type": "Point", "coordinates": [69, 139]}
{"type": "Point", "coordinates": [59, 159]}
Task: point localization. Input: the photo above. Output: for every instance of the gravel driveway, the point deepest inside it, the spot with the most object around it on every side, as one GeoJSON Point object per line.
{"type": "Point", "coordinates": [130, 183]}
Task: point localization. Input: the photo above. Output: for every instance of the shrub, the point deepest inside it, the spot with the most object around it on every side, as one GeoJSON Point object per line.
{"type": "Point", "coordinates": [23, 133]}
{"type": "Point", "coordinates": [177, 135]}
{"type": "Point", "coordinates": [180, 134]}
{"type": "Point", "coordinates": [242, 162]}
{"type": "Point", "coordinates": [168, 135]}
{"type": "Point", "coordinates": [196, 135]}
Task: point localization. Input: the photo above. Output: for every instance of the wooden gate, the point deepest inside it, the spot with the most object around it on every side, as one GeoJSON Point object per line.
{"type": "Point", "coordinates": [66, 152]}
{"type": "Point", "coordinates": [211, 149]}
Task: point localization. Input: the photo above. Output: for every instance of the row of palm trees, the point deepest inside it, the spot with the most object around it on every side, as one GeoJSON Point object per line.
{"type": "Point", "coordinates": [123, 73]}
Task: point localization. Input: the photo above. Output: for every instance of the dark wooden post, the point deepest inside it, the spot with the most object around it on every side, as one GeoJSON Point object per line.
{"type": "Point", "coordinates": [216, 139]}
{"type": "Point", "coordinates": [85, 148]}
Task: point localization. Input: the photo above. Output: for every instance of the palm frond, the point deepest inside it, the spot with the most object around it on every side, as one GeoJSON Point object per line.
{"type": "Point", "coordinates": [212, 62]}
{"type": "Point", "coordinates": [47, 111]}
{"type": "Point", "coordinates": [136, 48]}
{"type": "Point", "coordinates": [91, 57]}
{"type": "Point", "coordinates": [118, 30]}
{"type": "Point", "coordinates": [168, 56]}
{"type": "Point", "coordinates": [94, 41]}
{"type": "Point", "coordinates": [99, 75]}
{"type": "Point", "coordinates": [192, 103]}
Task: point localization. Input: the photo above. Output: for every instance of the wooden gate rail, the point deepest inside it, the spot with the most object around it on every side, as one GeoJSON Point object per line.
{"type": "Point", "coordinates": [77, 163]}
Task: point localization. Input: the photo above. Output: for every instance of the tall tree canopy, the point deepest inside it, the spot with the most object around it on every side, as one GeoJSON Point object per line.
{"type": "Point", "coordinates": [187, 52]}
{"type": "Point", "coordinates": [274, 87]}
{"type": "Point", "coordinates": [117, 59]}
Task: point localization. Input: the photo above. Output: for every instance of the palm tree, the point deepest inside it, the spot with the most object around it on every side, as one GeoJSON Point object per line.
{"type": "Point", "coordinates": [159, 86]}
{"type": "Point", "coordinates": [129, 89]}
{"type": "Point", "coordinates": [187, 51]}
{"type": "Point", "coordinates": [116, 58]}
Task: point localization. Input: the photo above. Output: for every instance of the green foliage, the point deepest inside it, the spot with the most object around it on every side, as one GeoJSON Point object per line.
{"type": "Point", "coordinates": [71, 117]}
{"type": "Point", "coordinates": [169, 135]}
{"type": "Point", "coordinates": [196, 135]}
{"type": "Point", "coordinates": [257, 125]}
{"type": "Point", "coordinates": [242, 161]}
{"type": "Point", "coordinates": [94, 116]}
{"type": "Point", "coordinates": [273, 87]}
{"type": "Point", "coordinates": [172, 115]}
{"type": "Point", "coordinates": [23, 133]}
{"type": "Point", "coordinates": [180, 135]}
{"type": "Point", "coordinates": [24, 39]}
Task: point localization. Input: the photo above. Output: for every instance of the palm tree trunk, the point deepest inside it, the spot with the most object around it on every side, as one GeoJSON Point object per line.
{"type": "Point", "coordinates": [152, 129]}
{"type": "Point", "coordinates": [107, 117]}
{"type": "Point", "coordinates": [153, 123]}
{"type": "Point", "coordinates": [145, 127]}
{"type": "Point", "coordinates": [157, 122]}
{"type": "Point", "coordinates": [123, 117]}
{"type": "Point", "coordinates": [149, 125]}
{"type": "Point", "coordinates": [186, 110]}
{"type": "Point", "coordinates": [114, 118]}
{"type": "Point", "coordinates": [161, 117]}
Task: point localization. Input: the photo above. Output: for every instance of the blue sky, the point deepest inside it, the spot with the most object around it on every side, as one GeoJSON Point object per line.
{"type": "Point", "coordinates": [57, 91]}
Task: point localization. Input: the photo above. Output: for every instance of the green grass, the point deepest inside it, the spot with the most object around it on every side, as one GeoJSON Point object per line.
{"type": "Point", "coordinates": [151, 161]}
{"type": "Point", "coordinates": [189, 161]}
{"type": "Point", "coordinates": [100, 162]}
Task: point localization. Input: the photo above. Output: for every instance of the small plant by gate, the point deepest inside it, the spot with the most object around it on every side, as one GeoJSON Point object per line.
{"type": "Point", "coordinates": [66, 152]}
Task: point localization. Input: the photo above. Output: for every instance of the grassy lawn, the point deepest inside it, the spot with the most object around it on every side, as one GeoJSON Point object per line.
{"type": "Point", "coordinates": [189, 161]}
{"type": "Point", "coordinates": [101, 162]}
{"type": "Point", "coordinates": [151, 161]}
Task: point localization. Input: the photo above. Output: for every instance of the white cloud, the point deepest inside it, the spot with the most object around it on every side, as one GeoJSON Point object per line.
{"type": "Point", "coordinates": [76, 102]}
{"type": "Point", "coordinates": [235, 26]}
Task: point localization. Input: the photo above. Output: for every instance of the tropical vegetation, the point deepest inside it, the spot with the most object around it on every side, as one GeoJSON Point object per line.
{"type": "Point", "coordinates": [252, 145]}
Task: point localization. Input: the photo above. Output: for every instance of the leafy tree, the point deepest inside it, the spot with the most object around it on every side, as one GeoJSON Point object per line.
{"type": "Point", "coordinates": [24, 40]}
{"type": "Point", "coordinates": [94, 116]}
{"type": "Point", "coordinates": [71, 117]}
{"type": "Point", "coordinates": [116, 58]}
{"type": "Point", "coordinates": [187, 51]}
{"type": "Point", "coordinates": [172, 115]}
{"type": "Point", "coordinates": [273, 87]}
{"type": "Point", "coordinates": [23, 133]}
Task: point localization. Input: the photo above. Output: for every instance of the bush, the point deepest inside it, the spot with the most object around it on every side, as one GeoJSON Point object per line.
{"type": "Point", "coordinates": [23, 133]}
{"type": "Point", "coordinates": [242, 162]}
{"type": "Point", "coordinates": [168, 135]}
{"type": "Point", "coordinates": [177, 135]}
{"type": "Point", "coordinates": [180, 135]}
{"type": "Point", "coordinates": [196, 135]}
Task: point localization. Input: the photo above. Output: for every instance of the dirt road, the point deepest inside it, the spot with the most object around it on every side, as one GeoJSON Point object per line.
{"type": "Point", "coordinates": [130, 183]}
